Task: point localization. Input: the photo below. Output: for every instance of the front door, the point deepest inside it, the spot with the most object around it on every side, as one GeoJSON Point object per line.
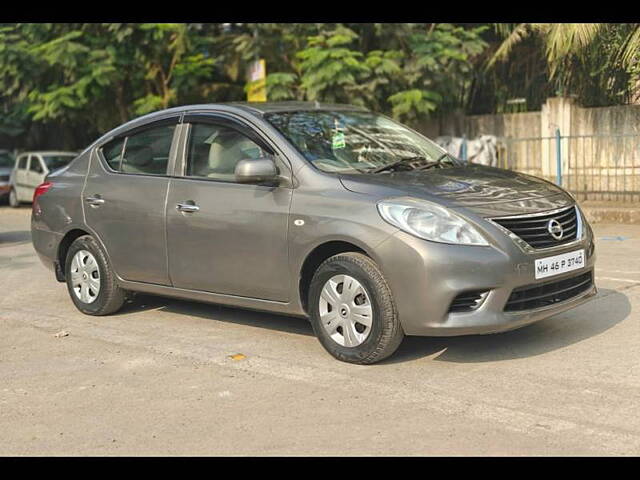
{"type": "Point", "coordinates": [124, 200]}
{"type": "Point", "coordinates": [234, 239]}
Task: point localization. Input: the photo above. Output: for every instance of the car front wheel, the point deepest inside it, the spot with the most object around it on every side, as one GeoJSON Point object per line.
{"type": "Point", "coordinates": [352, 310]}
{"type": "Point", "coordinates": [90, 280]}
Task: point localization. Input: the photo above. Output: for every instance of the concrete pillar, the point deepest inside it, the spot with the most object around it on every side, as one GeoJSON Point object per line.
{"type": "Point", "coordinates": [556, 113]}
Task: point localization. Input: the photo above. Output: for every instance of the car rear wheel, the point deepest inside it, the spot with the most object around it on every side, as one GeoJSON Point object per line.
{"type": "Point", "coordinates": [13, 199]}
{"type": "Point", "coordinates": [352, 310]}
{"type": "Point", "coordinates": [90, 280]}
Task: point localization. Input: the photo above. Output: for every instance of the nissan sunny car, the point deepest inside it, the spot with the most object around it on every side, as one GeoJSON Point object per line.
{"type": "Point", "coordinates": [330, 212]}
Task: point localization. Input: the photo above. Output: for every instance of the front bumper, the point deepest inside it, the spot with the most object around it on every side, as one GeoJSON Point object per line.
{"type": "Point", "coordinates": [425, 277]}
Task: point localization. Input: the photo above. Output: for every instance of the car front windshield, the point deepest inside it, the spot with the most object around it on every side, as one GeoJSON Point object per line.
{"type": "Point", "coordinates": [357, 142]}
{"type": "Point", "coordinates": [57, 161]}
{"type": "Point", "coordinates": [6, 161]}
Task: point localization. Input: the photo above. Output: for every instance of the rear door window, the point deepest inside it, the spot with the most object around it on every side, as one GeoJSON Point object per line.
{"type": "Point", "coordinates": [147, 152]}
{"type": "Point", "coordinates": [112, 153]}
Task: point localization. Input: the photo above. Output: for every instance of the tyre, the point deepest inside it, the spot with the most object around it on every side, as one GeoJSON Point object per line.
{"type": "Point", "coordinates": [90, 280]}
{"type": "Point", "coordinates": [13, 199]}
{"type": "Point", "coordinates": [352, 310]}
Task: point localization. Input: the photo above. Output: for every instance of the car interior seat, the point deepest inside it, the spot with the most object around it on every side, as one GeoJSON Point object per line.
{"type": "Point", "coordinates": [227, 150]}
{"type": "Point", "coordinates": [138, 159]}
{"type": "Point", "coordinates": [199, 166]}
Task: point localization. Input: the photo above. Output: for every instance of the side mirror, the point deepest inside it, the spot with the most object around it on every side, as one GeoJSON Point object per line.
{"type": "Point", "coordinates": [260, 170]}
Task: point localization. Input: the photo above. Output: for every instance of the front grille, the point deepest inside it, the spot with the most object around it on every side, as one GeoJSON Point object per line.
{"type": "Point", "coordinates": [544, 294]}
{"type": "Point", "coordinates": [4, 178]}
{"type": "Point", "coordinates": [534, 229]}
{"type": "Point", "coordinates": [467, 301]}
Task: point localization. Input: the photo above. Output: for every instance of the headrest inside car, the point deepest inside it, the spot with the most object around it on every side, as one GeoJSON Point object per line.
{"type": "Point", "coordinates": [138, 155]}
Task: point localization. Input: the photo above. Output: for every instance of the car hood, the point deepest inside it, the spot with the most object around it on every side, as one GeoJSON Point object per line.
{"type": "Point", "coordinates": [5, 171]}
{"type": "Point", "coordinates": [485, 190]}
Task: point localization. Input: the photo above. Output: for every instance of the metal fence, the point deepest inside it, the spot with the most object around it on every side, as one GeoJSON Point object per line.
{"type": "Point", "coordinates": [592, 167]}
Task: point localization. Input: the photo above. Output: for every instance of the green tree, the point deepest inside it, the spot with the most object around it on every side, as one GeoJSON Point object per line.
{"type": "Point", "coordinates": [80, 79]}
{"type": "Point", "coordinates": [330, 69]}
{"type": "Point", "coordinates": [438, 71]}
{"type": "Point", "coordinates": [407, 70]}
{"type": "Point", "coordinates": [596, 62]}
{"type": "Point", "coordinates": [94, 76]}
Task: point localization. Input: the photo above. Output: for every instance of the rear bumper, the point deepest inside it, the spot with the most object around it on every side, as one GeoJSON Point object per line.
{"type": "Point", "coordinates": [425, 277]}
{"type": "Point", "coordinates": [46, 245]}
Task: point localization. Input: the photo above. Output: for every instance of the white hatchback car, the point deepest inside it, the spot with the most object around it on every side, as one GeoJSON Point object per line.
{"type": "Point", "coordinates": [30, 170]}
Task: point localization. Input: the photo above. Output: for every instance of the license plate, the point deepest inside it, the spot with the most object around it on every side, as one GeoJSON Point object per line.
{"type": "Point", "coordinates": [566, 262]}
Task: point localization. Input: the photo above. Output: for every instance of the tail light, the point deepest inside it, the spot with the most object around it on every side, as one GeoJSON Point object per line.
{"type": "Point", "coordinates": [40, 189]}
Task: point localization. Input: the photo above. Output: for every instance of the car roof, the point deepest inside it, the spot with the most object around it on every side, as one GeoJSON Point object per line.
{"type": "Point", "coordinates": [258, 108]}
{"type": "Point", "coordinates": [47, 152]}
{"type": "Point", "coordinates": [291, 106]}
{"type": "Point", "coordinates": [253, 108]}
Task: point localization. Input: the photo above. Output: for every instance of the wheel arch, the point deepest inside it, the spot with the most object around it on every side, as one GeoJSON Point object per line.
{"type": "Point", "coordinates": [318, 255]}
{"type": "Point", "coordinates": [63, 248]}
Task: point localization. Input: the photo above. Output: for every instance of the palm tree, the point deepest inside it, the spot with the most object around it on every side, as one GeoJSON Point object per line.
{"type": "Point", "coordinates": [597, 61]}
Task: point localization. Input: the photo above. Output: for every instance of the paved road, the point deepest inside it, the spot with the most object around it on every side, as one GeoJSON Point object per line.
{"type": "Point", "coordinates": [158, 379]}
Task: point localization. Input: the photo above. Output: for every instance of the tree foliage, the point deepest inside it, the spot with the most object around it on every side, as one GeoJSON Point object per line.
{"type": "Point", "coordinates": [595, 62]}
{"type": "Point", "coordinates": [406, 70]}
{"type": "Point", "coordinates": [87, 78]}
{"type": "Point", "coordinates": [65, 84]}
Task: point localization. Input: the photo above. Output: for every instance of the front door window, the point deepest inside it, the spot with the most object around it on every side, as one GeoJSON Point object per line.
{"type": "Point", "coordinates": [215, 150]}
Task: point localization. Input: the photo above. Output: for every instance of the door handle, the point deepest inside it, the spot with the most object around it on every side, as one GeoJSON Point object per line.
{"type": "Point", "coordinates": [94, 201]}
{"type": "Point", "coordinates": [187, 207]}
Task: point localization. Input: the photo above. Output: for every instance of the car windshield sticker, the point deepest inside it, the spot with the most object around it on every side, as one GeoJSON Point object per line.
{"type": "Point", "coordinates": [337, 141]}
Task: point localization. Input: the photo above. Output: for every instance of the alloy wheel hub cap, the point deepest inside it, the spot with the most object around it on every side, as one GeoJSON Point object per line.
{"type": "Point", "coordinates": [346, 313]}
{"type": "Point", "coordinates": [85, 276]}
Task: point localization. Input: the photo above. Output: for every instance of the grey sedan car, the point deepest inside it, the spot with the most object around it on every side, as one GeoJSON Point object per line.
{"type": "Point", "coordinates": [329, 212]}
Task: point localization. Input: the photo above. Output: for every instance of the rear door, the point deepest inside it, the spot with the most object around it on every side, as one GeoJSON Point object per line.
{"type": "Point", "coordinates": [236, 241]}
{"type": "Point", "coordinates": [124, 199]}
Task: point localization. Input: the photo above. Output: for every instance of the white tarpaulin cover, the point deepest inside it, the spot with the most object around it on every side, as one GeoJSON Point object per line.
{"type": "Point", "coordinates": [482, 149]}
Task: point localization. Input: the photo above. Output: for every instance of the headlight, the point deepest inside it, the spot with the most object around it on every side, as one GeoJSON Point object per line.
{"type": "Point", "coordinates": [429, 221]}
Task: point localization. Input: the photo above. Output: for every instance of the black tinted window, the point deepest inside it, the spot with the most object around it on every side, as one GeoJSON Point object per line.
{"type": "Point", "coordinates": [54, 162]}
{"type": "Point", "coordinates": [22, 163]}
{"type": "Point", "coordinates": [147, 152]}
{"type": "Point", "coordinates": [112, 152]}
{"type": "Point", "coordinates": [215, 150]}
{"type": "Point", "coordinates": [6, 160]}
{"type": "Point", "coordinates": [35, 165]}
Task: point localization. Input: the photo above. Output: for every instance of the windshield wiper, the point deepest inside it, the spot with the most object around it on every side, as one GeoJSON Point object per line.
{"type": "Point", "coordinates": [396, 163]}
{"type": "Point", "coordinates": [435, 163]}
